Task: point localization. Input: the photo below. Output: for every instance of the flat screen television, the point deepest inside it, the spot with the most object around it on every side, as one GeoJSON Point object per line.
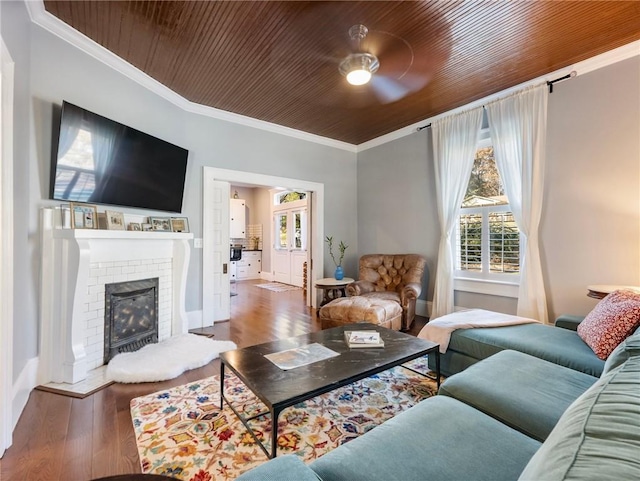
{"type": "Point", "coordinates": [101, 161]}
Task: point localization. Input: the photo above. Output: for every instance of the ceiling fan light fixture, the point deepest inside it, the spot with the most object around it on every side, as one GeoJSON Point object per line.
{"type": "Point", "coordinates": [359, 67]}
{"type": "Point", "coordinates": [358, 77]}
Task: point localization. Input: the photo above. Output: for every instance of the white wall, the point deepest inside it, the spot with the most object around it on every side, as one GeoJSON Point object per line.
{"type": "Point", "coordinates": [590, 229]}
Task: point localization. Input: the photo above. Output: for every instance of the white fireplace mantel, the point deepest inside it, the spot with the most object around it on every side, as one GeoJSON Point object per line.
{"type": "Point", "coordinates": [67, 257]}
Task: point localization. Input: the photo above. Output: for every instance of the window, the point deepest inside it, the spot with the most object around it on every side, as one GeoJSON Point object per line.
{"type": "Point", "coordinates": [289, 196]}
{"type": "Point", "coordinates": [487, 238]}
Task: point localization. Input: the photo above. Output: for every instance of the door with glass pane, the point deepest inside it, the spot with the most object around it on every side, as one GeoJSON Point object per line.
{"type": "Point", "coordinates": [290, 234]}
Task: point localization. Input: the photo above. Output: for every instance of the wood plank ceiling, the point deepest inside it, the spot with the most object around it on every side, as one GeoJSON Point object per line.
{"type": "Point", "coordinates": [278, 61]}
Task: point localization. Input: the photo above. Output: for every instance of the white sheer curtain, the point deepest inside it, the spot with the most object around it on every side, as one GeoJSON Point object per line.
{"type": "Point", "coordinates": [518, 127]}
{"type": "Point", "coordinates": [455, 140]}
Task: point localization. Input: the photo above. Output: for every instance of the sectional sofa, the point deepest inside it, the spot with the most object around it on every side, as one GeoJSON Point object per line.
{"type": "Point", "coordinates": [559, 344]}
{"type": "Point", "coordinates": [509, 416]}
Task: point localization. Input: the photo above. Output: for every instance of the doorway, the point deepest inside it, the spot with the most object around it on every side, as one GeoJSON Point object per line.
{"type": "Point", "coordinates": [291, 236]}
{"type": "Point", "coordinates": [213, 235]}
{"type": "Point", "coordinates": [6, 248]}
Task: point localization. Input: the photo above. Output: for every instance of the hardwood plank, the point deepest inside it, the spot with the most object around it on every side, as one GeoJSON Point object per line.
{"type": "Point", "coordinates": [79, 442]}
{"type": "Point", "coordinates": [46, 447]}
{"type": "Point", "coordinates": [62, 438]}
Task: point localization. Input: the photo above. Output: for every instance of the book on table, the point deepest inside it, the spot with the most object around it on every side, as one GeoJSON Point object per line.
{"type": "Point", "coordinates": [363, 339]}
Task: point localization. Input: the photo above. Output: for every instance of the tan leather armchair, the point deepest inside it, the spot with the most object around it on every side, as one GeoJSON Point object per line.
{"type": "Point", "coordinates": [396, 277]}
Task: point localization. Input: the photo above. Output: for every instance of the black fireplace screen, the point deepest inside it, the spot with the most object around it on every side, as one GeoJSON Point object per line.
{"type": "Point", "coordinates": [130, 315]}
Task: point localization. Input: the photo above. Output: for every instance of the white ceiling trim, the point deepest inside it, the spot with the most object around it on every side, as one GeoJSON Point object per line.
{"type": "Point", "coordinates": [594, 63]}
{"type": "Point", "coordinates": [57, 27]}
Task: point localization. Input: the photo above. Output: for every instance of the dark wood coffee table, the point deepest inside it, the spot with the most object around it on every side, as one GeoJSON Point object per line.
{"type": "Point", "coordinates": [279, 389]}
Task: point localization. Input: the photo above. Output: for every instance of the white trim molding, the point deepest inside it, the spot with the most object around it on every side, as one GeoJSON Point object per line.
{"type": "Point", "coordinates": [484, 286]}
{"type": "Point", "coordinates": [6, 249]}
{"type": "Point", "coordinates": [580, 68]}
{"type": "Point", "coordinates": [210, 175]}
{"type": "Point", "coordinates": [27, 380]}
{"type": "Point", "coordinates": [57, 27]}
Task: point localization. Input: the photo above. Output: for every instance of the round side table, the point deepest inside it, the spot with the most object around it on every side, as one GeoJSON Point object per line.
{"type": "Point", "coordinates": [600, 291]}
{"type": "Point", "coordinates": [333, 288]}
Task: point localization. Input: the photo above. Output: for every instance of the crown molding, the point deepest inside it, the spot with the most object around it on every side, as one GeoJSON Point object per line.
{"type": "Point", "coordinates": [581, 68]}
{"type": "Point", "coordinates": [39, 16]}
{"type": "Point", "coordinates": [57, 27]}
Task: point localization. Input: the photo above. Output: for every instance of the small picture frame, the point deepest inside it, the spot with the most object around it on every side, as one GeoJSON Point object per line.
{"type": "Point", "coordinates": [179, 224]}
{"type": "Point", "coordinates": [115, 220]}
{"type": "Point", "coordinates": [83, 216]}
{"type": "Point", "coordinates": [160, 224]}
{"type": "Point", "coordinates": [134, 226]}
{"type": "Point", "coordinates": [146, 227]}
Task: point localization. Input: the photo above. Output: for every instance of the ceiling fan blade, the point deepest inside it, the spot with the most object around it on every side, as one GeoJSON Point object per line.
{"type": "Point", "coordinates": [389, 89]}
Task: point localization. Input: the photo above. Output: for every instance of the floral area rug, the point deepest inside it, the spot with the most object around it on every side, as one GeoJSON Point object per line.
{"type": "Point", "coordinates": [278, 287]}
{"type": "Point", "coordinates": [182, 432]}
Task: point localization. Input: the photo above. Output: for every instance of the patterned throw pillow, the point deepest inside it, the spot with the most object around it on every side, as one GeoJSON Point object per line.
{"type": "Point", "coordinates": [612, 320]}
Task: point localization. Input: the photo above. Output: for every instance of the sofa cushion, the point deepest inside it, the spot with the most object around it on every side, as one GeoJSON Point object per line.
{"type": "Point", "coordinates": [627, 348]}
{"type": "Point", "coordinates": [613, 319]}
{"type": "Point", "coordinates": [553, 344]}
{"type": "Point", "coordinates": [511, 383]}
{"type": "Point", "coordinates": [598, 437]}
{"type": "Point", "coordinates": [282, 468]}
{"type": "Point", "coordinates": [439, 438]}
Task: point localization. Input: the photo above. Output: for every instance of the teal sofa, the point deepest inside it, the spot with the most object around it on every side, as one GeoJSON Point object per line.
{"type": "Point", "coordinates": [511, 416]}
{"type": "Point", "coordinates": [559, 344]}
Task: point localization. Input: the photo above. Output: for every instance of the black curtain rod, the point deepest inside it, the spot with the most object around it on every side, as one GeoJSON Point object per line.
{"type": "Point", "coordinates": [550, 83]}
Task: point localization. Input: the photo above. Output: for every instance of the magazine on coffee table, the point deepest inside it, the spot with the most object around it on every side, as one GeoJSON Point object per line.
{"type": "Point", "coordinates": [363, 339]}
{"type": "Point", "coordinates": [301, 356]}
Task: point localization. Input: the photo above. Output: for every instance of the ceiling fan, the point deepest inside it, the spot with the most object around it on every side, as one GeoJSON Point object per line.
{"type": "Point", "coordinates": [355, 55]}
{"type": "Point", "coordinates": [383, 62]}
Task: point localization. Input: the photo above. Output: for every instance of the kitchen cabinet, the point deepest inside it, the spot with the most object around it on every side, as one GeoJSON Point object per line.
{"type": "Point", "coordinates": [250, 266]}
{"type": "Point", "coordinates": [233, 271]}
{"type": "Point", "coordinates": [237, 224]}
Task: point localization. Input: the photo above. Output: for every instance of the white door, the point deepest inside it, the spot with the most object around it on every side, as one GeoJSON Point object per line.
{"type": "Point", "coordinates": [290, 250]}
{"type": "Point", "coordinates": [220, 295]}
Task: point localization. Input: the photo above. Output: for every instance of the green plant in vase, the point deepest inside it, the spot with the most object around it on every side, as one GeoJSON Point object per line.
{"type": "Point", "coordinates": [342, 247]}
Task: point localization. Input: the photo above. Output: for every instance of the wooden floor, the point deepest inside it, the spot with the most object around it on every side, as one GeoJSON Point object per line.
{"type": "Point", "coordinates": [62, 438]}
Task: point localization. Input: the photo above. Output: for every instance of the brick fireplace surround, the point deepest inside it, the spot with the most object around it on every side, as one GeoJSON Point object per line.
{"type": "Point", "coordinates": [76, 265]}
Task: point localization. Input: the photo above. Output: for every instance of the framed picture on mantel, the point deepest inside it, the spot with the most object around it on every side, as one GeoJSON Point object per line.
{"type": "Point", "coordinates": [179, 224]}
{"type": "Point", "coordinates": [115, 220]}
{"type": "Point", "coordinates": [160, 224]}
{"type": "Point", "coordinates": [83, 216]}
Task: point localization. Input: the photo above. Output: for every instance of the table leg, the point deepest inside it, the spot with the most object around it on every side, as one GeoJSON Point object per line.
{"type": "Point", "coordinates": [275, 413]}
{"type": "Point", "coordinates": [221, 385]}
{"type": "Point", "coordinates": [325, 298]}
{"type": "Point", "coordinates": [438, 367]}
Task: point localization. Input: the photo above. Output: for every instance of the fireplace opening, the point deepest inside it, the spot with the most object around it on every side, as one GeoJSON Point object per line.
{"type": "Point", "coordinates": [130, 316]}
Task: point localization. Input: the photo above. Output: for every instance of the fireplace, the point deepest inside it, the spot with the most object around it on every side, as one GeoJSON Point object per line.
{"type": "Point", "coordinates": [131, 316]}
{"type": "Point", "coordinates": [77, 264]}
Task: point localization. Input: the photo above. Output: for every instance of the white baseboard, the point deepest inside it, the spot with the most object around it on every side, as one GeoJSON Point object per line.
{"type": "Point", "coordinates": [27, 380]}
{"type": "Point", "coordinates": [423, 308]}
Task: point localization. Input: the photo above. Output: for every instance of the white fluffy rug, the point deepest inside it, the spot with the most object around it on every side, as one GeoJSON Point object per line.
{"type": "Point", "coordinates": [166, 359]}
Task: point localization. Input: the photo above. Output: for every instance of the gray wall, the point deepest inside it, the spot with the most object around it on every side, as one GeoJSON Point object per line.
{"type": "Point", "coordinates": [590, 229]}
{"type": "Point", "coordinates": [15, 33]}
{"type": "Point", "coordinates": [49, 70]}
{"type": "Point", "coordinates": [396, 202]}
